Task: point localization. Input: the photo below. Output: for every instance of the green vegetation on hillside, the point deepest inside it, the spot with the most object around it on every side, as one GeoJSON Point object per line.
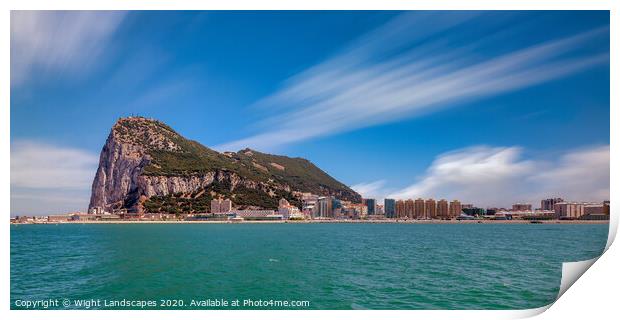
{"type": "Point", "coordinates": [200, 201]}
{"type": "Point", "coordinates": [173, 155]}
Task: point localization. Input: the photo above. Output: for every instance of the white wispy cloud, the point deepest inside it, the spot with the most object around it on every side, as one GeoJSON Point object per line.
{"type": "Point", "coordinates": [58, 41]}
{"type": "Point", "coordinates": [580, 174]}
{"type": "Point", "coordinates": [395, 73]}
{"type": "Point", "coordinates": [374, 189]}
{"type": "Point", "coordinates": [47, 178]}
{"type": "Point", "coordinates": [39, 165]}
{"type": "Point", "coordinates": [498, 176]}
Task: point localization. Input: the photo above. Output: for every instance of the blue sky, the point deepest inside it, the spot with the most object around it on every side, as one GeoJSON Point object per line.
{"type": "Point", "coordinates": [487, 107]}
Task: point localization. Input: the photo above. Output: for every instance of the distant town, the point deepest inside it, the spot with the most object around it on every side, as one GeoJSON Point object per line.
{"type": "Point", "coordinates": [328, 208]}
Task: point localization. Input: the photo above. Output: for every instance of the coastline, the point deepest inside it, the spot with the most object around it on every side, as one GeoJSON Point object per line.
{"type": "Point", "coordinates": [328, 221]}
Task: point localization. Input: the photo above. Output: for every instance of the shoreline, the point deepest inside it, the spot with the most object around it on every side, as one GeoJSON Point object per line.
{"type": "Point", "coordinates": [327, 221]}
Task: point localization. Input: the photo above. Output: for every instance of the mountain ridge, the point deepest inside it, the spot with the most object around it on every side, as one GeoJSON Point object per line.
{"type": "Point", "coordinates": [146, 166]}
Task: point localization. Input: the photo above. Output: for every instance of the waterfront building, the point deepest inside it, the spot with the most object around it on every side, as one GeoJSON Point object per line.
{"type": "Point", "coordinates": [409, 209]}
{"type": "Point", "coordinates": [547, 204]}
{"type": "Point", "coordinates": [389, 207]}
{"type": "Point", "coordinates": [88, 217]}
{"type": "Point", "coordinates": [400, 209]}
{"type": "Point", "coordinates": [474, 211]}
{"type": "Point", "coordinates": [309, 211]}
{"type": "Point", "coordinates": [576, 210]}
{"type": "Point", "coordinates": [455, 208]}
{"type": "Point", "coordinates": [521, 207]}
{"type": "Point", "coordinates": [379, 211]}
{"type": "Point", "coordinates": [325, 207]}
{"type": "Point", "coordinates": [355, 211]}
{"type": "Point", "coordinates": [336, 204]}
{"type": "Point", "coordinates": [96, 210]}
{"type": "Point", "coordinates": [58, 218]}
{"type": "Point", "coordinates": [594, 208]}
{"type": "Point", "coordinates": [596, 211]}
{"type": "Point", "coordinates": [467, 206]}
{"type": "Point", "coordinates": [419, 208]}
{"type": "Point", "coordinates": [291, 212]}
{"type": "Point", "coordinates": [288, 211]}
{"type": "Point", "coordinates": [215, 205]}
{"type": "Point", "coordinates": [309, 204]}
{"type": "Point", "coordinates": [606, 207]}
{"type": "Point", "coordinates": [442, 209]}
{"type": "Point", "coordinates": [568, 210]}
{"type": "Point", "coordinates": [255, 215]}
{"type": "Point", "coordinates": [221, 205]}
{"type": "Point", "coordinates": [430, 206]}
{"type": "Point", "coordinates": [339, 213]}
{"type": "Point", "coordinates": [371, 205]}
{"type": "Point", "coordinates": [363, 211]}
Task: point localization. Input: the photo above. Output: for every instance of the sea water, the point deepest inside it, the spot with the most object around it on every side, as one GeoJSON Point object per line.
{"type": "Point", "coordinates": [274, 266]}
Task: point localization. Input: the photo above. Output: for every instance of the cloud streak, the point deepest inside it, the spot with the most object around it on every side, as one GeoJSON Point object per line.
{"type": "Point", "coordinates": [396, 72]}
{"type": "Point", "coordinates": [49, 179]}
{"type": "Point", "coordinates": [38, 165]}
{"type": "Point", "coordinates": [58, 41]}
{"type": "Point", "coordinates": [370, 189]}
{"type": "Point", "coordinates": [498, 176]}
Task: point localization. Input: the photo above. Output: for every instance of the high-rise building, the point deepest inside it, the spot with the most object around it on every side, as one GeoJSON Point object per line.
{"type": "Point", "coordinates": [521, 207]}
{"type": "Point", "coordinates": [455, 208]}
{"type": "Point", "coordinates": [409, 209]}
{"type": "Point", "coordinates": [419, 208]}
{"type": "Point", "coordinates": [389, 206]}
{"type": "Point", "coordinates": [370, 204]}
{"type": "Point", "coordinates": [221, 205]}
{"type": "Point", "coordinates": [547, 204]}
{"type": "Point", "coordinates": [442, 209]}
{"type": "Point", "coordinates": [310, 205]}
{"type": "Point", "coordinates": [325, 207]}
{"type": "Point", "coordinates": [400, 209]}
{"type": "Point", "coordinates": [336, 204]}
{"type": "Point", "coordinates": [568, 210]}
{"type": "Point", "coordinates": [430, 206]}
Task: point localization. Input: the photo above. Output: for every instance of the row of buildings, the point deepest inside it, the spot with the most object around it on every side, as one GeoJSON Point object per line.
{"type": "Point", "coordinates": [329, 207]}
{"type": "Point", "coordinates": [421, 209]}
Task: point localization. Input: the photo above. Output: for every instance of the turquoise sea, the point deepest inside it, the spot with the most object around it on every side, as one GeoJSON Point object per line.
{"type": "Point", "coordinates": [331, 266]}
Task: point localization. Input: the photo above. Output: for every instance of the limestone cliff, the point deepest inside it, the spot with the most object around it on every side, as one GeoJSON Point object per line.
{"type": "Point", "coordinates": [146, 166]}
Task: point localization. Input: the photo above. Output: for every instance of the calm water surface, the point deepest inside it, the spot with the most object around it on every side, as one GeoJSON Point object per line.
{"type": "Point", "coordinates": [333, 266]}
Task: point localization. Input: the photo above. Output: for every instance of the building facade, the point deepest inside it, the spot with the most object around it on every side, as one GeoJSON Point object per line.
{"type": "Point", "coordinates": [547, 204]}
{"type": "Point", "coordinates": [442, 209]}
{"type": "Point", "coordinates": [221, 205]}
{"type": "Point", "coordinates": [400, 209]}
{"type": "Point", "coordinates": [389, 207]}
{"type": "Point", "coordinates": [430, 205]}
{"type": "Point", "coordinates": [419, 208]}
{"type": "Point", "coordinates": [455, 208]}
{"type": "Point", "coordinates": [521, 207]}
{"type": "Point", "coordinates": [371, 205]}
{"type": "Point", "coordinates": [568, 210]}
{"type": "Point", "coordinates": [325, 207]}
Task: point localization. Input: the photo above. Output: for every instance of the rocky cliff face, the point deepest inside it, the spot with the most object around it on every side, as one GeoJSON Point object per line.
{"type": "Point", "coordinates": [116, 181]}
{"type": "Point", "coordinates": [144, 159]}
